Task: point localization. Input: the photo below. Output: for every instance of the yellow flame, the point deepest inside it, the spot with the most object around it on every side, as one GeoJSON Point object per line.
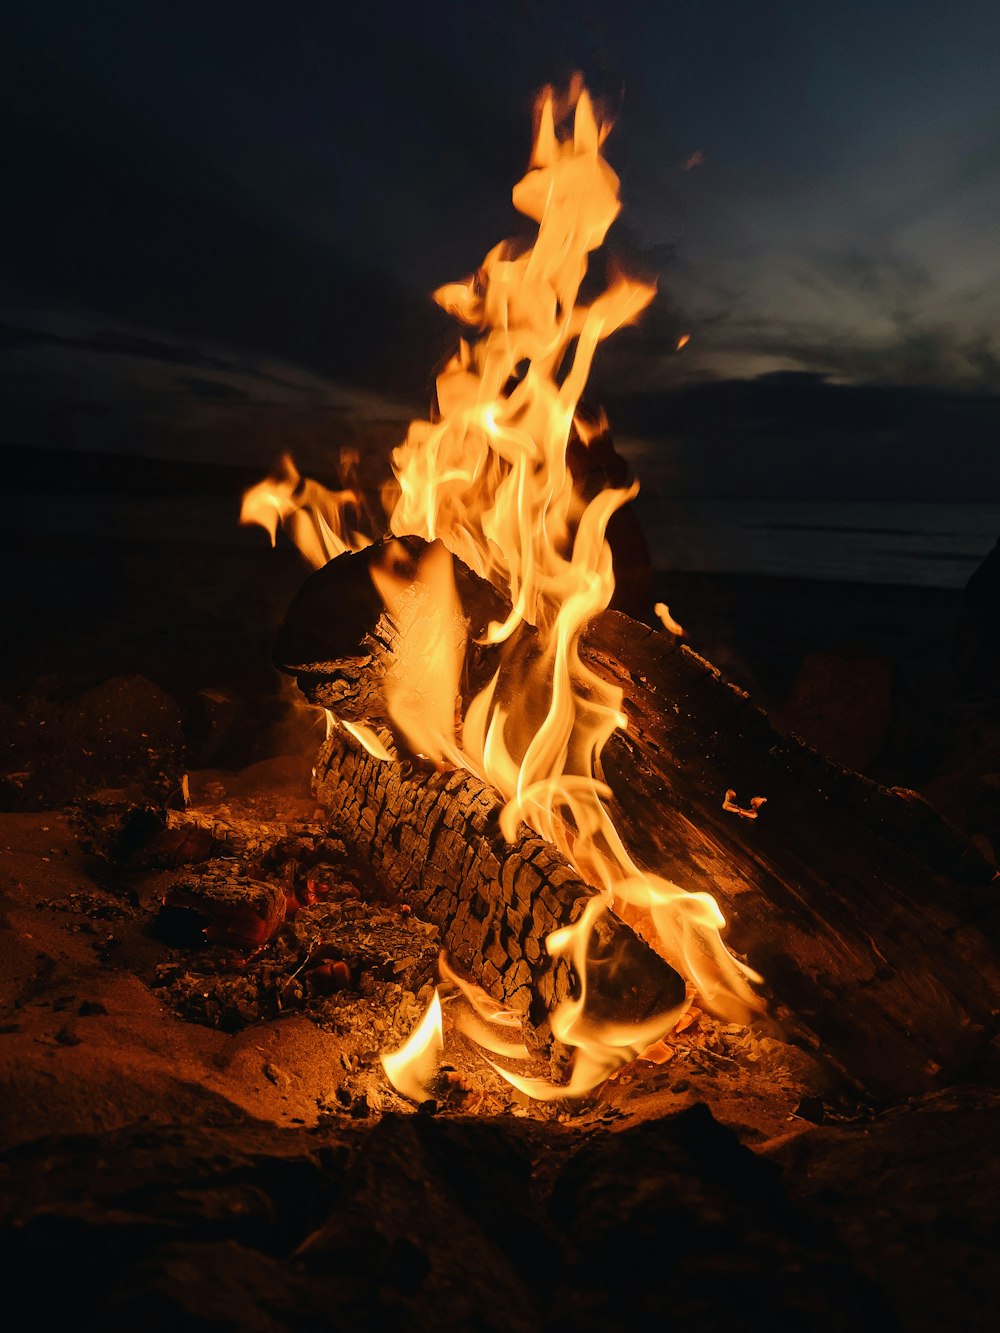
{"type": "Point", "coordinates": [421, 684]}
{"type": "Point", "coordinates": [669, 623]}
{"type": "Point", "coordinates": [317, 519]}
{"type": "Point", "coordinates": [480, 1018]}
{"type": "Point", "coordinates": [488, 478]}
{"type": "Point", "coordinates": [411, 1068]}
{"type": "Point", "coordinates": [365, 736]}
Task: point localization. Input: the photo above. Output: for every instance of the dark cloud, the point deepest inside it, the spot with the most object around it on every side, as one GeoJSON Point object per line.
{"type": "Point", "coordinates": [795, 435]}
{"type": "Point", "coordinates": [99, 230]}
{"type": "Point", "coordinates": [110, 342]}
{"type": "Point", "coordinates": [216, 231]}
{"type": "Point", "coordinates": [916, 351]}
{"type": "Point", "coordinates": [878, 272]}
{"type": "Point", "coordinates": [214, 391]}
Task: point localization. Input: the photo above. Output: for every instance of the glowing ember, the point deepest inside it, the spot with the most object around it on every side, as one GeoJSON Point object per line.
{"type": "Point", "coordinates": [731, 804]}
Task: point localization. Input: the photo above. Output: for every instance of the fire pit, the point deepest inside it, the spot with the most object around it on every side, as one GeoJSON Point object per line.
{"type": "Point", "coordinates": [541, 955]}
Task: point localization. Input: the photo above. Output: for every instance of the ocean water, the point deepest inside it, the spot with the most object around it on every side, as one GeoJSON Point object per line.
{"type": "Point", "coordinates": [921, 545]}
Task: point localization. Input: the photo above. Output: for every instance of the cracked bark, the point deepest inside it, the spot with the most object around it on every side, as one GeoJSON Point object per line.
{"type": "Point", "coordinates": [434, 840]}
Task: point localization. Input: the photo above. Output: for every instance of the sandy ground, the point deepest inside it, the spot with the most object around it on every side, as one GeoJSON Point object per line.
{"type": "Point", "coordinates": [187, 1175]}
{"type": "Point", "coordinates": [93, 1053]}
{"type": "Point", "coordinates": [90, 1043]}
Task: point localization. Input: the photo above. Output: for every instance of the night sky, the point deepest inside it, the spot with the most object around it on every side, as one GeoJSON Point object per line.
{"type": "Point", "coordinates": [222, 221]}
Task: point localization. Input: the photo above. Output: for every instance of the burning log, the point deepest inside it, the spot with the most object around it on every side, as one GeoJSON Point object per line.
{"type": "Point", "coordinates": [866, 913]}
{"type": "Point", "coordinates": [435, 839]}
{"type": "Point", "coordinates": [438, 836]}
{"type": "Point", "coordinates": [849, 898]}
{"type": "Point", "coordinates": [870, 917]}
{"type": "Point", "coordinates": [339, 640]}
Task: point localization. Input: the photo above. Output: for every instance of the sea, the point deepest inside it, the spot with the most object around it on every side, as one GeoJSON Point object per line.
{"type": "Point", "coordinates": [913, 544]}
{"type": "Point", "coordinates": [925, 544]}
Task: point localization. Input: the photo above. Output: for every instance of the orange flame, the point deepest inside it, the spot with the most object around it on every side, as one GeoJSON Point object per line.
{"type": "Point", "coordinates": [411, 1068]}
{"type": "Point", "coordinates": [317, 519]}
{"type": "Point", "coordinates": [488, 479]}
{"type": "Point", "coordinates": [669, 623]}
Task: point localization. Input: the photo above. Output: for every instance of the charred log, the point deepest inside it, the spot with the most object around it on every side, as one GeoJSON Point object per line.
{"type": "Point", "coordinates": [338, 639]}
{"type": "Point", "coordinates": [223, 906]}
{"type": "Point", "coordinates": [869, 916]}
{"type": "Point", "coordinates": [871, 919]}
{"type": "Point", "coordinates": [435, 840]}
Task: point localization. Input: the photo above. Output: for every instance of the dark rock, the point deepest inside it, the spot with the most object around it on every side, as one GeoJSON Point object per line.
{"type": "Point", "coordinates": [211, 725]}
{"type": "Point", "coordinates": [915, 1196]}
{"type": "Point", "coordinates": [116, 824]}
{"type": "Point", "coordinates": [976, 653]}
{"type": "Point", "coordinates": [458, 1223]}
{"type": "Point", "coordinates": [131, 725]}
{"type": "Point", "coordinates": [171, 1226]}
{"type": "Point", "coordinates": [694, 1224]}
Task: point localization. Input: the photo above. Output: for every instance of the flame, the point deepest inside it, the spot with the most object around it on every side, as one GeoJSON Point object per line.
{"type": "Point", "coordinates": [479, 1017]}
{"type": "Point", "coordinates": [365, 736]}
{"type": "Point", "coordinates": [317, 519]}
{"type": "Point", "coordinates": [669, 623]}
{"type": "Point", "coordinates": [487, 480]}
{"type": "Point", "coordinates": [421, 684]}
{"type": "Point", "coordinates": [682, 341]}
{"type": "Point", "coordinates": [411, 1068]}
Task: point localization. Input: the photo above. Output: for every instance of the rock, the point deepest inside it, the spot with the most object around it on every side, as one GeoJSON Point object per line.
{"type": "Point", "coordinates": [976, 652]}
{"type": "Point", "coordinates": [210, 725]}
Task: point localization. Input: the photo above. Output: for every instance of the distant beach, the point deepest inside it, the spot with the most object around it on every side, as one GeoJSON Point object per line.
{"type": "Point", "coordinates": [157, 577]}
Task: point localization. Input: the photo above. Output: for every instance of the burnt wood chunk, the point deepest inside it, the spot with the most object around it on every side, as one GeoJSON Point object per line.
{"type": "Point", "coordinates": [873, 922]}
{"type": "Point", "coordinates": [434, 839]}
{"type": "Point", "coordinates": [224, 907]}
